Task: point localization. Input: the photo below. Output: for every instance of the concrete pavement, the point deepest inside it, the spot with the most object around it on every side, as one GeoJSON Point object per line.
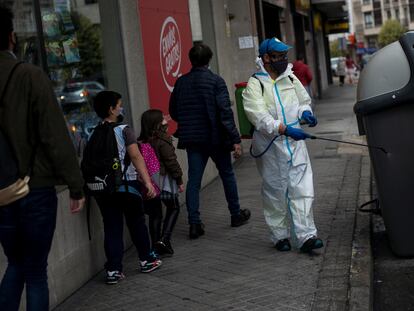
{"type": "Point", "coordinates": [238, 268]}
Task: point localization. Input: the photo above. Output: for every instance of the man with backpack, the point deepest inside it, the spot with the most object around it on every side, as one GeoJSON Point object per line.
{"type": "Point", "coordinates": [275, 102]}
{"type": "Point", "coordinates": [33, 124]}
{"type": "Point", "coordinates": [200, 105]}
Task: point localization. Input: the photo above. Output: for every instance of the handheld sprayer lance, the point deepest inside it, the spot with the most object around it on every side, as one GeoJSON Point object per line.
{"type": "Point", "coordinates": [348, 142]}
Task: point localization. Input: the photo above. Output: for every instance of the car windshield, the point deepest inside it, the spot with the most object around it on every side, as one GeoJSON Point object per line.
{"type": "Point", "coordinates": [72, 88]}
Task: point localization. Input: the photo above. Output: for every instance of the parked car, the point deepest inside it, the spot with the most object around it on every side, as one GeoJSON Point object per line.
{"type": "Point", "coordinates": [78, 94]}
{"type": "Point", "coordinates": [93, 88]}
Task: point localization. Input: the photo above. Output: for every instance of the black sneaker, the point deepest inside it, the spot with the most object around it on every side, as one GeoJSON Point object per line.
{"type": "Point", "coordinates": [241, 219]}
{"type": "Point", "coordinates": [283, 245]}
{"type": "Point", "coordinates": [196, 230]}
{"type": "Point", "coordinates": [164, 248]}
{"type": "Point", "coordinates": [113, 277]}
{"type": "Point", "coordinates": [310, 244]}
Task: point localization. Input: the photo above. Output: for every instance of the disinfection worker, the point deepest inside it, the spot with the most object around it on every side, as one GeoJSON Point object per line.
{"type": "Point", "coordinates": [276, 103]}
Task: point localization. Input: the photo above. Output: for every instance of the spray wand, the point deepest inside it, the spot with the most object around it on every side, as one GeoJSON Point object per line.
{"type": "Point", "coordinates": [348, 142]}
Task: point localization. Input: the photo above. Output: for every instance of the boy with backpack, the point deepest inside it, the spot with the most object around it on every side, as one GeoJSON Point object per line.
{"type": "Point", "coordinates": [154, 135]}
{"type": "Point", "coordinates": [113, 169]}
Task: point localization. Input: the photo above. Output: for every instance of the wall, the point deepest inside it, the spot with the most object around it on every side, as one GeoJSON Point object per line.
{"type": "Point", "coordinates": [242, 25]}
{"type": "Point", "coordinates": [223, 23]}
{"type": "Point", "coordinates": [221, 34]}
{"type": "Point", "coordinates": [322, 61]}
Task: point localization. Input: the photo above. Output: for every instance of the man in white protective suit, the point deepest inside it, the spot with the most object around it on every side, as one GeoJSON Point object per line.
{"type": "Point", "coordinates": [276, 103]}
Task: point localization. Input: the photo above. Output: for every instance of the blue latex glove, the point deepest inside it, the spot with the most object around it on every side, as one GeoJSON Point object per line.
{"type": "Point", "coordinates": [296, 133]}
{"type": "Point", "coordinates": [309, 118]}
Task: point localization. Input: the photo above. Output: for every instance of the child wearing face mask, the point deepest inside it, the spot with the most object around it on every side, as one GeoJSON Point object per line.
{"type": "Point", "coordinates": [154, 131]}
{"type": "Point", "coordinates": [126, 202]}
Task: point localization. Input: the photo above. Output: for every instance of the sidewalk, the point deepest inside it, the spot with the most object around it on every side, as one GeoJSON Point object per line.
{"type": "Point", "coordinates": [238, 268]}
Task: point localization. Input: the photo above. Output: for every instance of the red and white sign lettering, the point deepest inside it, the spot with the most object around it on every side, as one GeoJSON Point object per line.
{"type": "Point", "coordinates": [166, 36]}
{"type": "Point", "coordinates": [170, 52]}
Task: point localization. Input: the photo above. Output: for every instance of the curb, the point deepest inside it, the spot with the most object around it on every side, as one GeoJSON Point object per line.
{"type": "Point", "coordinates": [360, 295]}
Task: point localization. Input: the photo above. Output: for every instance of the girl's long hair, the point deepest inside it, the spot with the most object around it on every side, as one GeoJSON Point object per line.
{"type": "Point", "coordinates": [150, 123]}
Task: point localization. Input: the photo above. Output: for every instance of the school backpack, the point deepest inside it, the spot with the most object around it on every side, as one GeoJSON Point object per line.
{"type": "Point", "coordinates": [153, 167]}
{"type": "Point", "coordinates": [12, 187]}
{"type": "Point", "coordinates": [101, 166]}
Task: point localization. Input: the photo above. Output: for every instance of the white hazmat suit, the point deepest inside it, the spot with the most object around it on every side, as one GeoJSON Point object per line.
{"type": "Point", "coordinates": [287, 188]}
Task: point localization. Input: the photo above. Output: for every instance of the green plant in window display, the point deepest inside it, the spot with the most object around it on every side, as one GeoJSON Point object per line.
{"type": "Point", "coordinates": [89, 44]}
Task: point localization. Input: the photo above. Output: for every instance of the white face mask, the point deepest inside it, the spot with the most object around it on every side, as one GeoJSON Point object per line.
{"type": "Point", "coordinates": [121, 112]}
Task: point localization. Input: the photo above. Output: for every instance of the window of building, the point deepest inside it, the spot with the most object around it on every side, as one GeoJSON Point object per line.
{"type": "Point", "coordinates": [91, 1]}
{"type": "Point", "coordinates": [377, 12]}
{"type": "Point", "coordinates": [64, 38]}
{"type": "Point", "coordinates": [366, 2]}
{"type": "Point", "coordinates": [368, 20]}
{"type": "Point", "coordinates": [25, 28]}
{"type": "Point", "coordinates": [372, 42]}
{"type": "Point", "coordinates": [411, 7]}
{"type": "Point", "coordinates": [397, 14]}
{"type": "Point", "coordinates": [388, 14]}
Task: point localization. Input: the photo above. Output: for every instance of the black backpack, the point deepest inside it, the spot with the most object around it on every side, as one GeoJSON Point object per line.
{"type": "Point", "coordinates": [101, 166]}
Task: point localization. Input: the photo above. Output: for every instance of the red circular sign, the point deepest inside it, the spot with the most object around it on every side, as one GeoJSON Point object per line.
{"type": "Point", "coordinates": [170, 52]}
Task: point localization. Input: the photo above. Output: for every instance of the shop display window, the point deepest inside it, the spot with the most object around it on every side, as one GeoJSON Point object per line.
{"type": "Point", "coordinates": [64, 37]}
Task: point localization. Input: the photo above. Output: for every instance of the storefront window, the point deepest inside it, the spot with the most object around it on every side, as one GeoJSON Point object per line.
{"type": "Point", "coordinates": [73, 45]}
{"type": "Point", "coordinates": [26, 31]}
{"type": "Point", "coordinates": [69, 48]}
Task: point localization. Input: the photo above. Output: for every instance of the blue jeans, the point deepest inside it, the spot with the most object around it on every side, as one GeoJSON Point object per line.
{"type": "Point", "coordinates": [197, 161]}
{"type": "Point", "coordinates": [26, 232]}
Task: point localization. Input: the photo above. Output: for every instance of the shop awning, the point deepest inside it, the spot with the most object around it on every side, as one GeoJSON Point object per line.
{"type": "Point", "coordinates": [331, 9]}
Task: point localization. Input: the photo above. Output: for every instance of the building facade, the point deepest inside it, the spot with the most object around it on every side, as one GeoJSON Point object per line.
{"type": "Point", "coordinates": [369, 15]}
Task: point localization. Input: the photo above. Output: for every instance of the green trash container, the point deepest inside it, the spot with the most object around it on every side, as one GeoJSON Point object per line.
{"type": "Point", "coordinates": [246, 128]}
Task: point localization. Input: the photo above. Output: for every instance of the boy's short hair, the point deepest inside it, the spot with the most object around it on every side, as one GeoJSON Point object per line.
{"type": "Point", "coordinates": [6, 26]}
{"type": "Point", "coordinates": [200, 55]}
{"type": "Point", "coordinates": [103, 101]}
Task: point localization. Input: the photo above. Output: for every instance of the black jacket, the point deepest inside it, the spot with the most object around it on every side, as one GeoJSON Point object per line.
{"type": "Point", "coordinates": [200, 105]}
{"type": "Point", "coordinates": [31, 117]}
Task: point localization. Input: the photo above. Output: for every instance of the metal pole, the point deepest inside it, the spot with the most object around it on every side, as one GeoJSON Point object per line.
{"type": "Point", "coordinates": [41, 37]}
